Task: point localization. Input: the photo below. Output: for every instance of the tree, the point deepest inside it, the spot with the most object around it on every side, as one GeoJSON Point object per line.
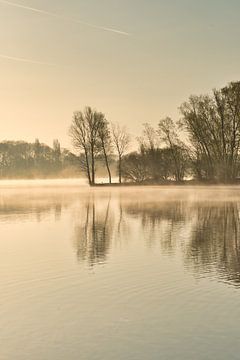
{"type": "Point", "coordinates": [149, 139]}
{"type": "Point", "coordinates": [56, 154]}
{"type": "Point", "coordinates": [105, 139]}
{"type": "Point", "coordinates": [37, 151]}
{"type": "Point", "coordinates": [168, 134]}
{"type": "Point", "coordinates": [227, 102]}
{"type": "Point", "coordinates": [121, 141]}
{"type": "Point", "coordinates": [213, 126]}
{"type": "Point", "coordinates": [148, 167]}
{"type": "Point", "coordinates": [19, 159]}
{"type": "Point", "coordinates": [135, 168]}
{"type": "Point", "coordinates": [56, 149]}
{"type": "Point", "coordinates": [84, 132]}
{"type": "Point", "coordinates": [152, 154]}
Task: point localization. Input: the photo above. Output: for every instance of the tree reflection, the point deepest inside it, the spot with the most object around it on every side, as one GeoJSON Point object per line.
{"type": "Point", "coordinates": [215, 241]}
{"type": "Point", "coordinates": [160, 221]}
{"type": "Point", "coordinates": [20, 210]}
{"type": "Point", "coordinates": [206, 233]}
{"type": "Point", "coordinates": [93, 233]}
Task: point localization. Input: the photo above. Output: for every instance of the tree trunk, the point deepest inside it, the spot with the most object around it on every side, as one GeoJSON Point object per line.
{"type": "Point", "coordinates": [88, 169]}
{"type": "Point", "coordinates": [107, 164]}
{"type": "Point", "coordinates": [93, 166]}
{"type": "Point", "coordinates": [120, 170]}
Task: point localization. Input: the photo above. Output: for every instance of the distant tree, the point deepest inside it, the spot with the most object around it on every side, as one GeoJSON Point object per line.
{"type": "Point", "coordinates": [121, 141]}
{"type": "Point", "coordinates": [84, 132]}
{"type": "Point", "coordinates": [106, 142]}
{"type": "Point", "coordinates": [19, 159]}
{"type": "Point", "coordinates": [56, 154]}
{"type": "Point", "coordinates": [56, 149]}
{"type": "Point", "coordinates": [37, 151]}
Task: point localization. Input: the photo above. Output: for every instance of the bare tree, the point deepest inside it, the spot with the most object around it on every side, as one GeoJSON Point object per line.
{"type": "Point", "coordinates": [213, 126]}
{"type": "Point", "coordinates": [105, 139]}
{"type": "Point", "coordinates": [149, 139]}
{"type": "Point", "coordinates": [151, 154]}
{"type": "Point", "coordinates": [84, 134]}
{"type": "Point", "coordinates": [121, 141]}
{"type": "Point", "coordinates": [168, 134]}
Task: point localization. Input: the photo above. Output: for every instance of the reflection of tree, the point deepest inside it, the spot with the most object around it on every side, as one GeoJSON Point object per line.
{"type": "Point", "coordinates": [153, 213]}
{"type": "Point", "coordinates": [210, 233]}
{"type": "Point", "coordinates": [123, 226]}
{"type": "Point", "coordinates": [93, 233]}
{"type": "Point", "coordinates": [11, 210]}
{"type": "Point", "coordinates": [58, 211]}
{"type": "Point", "coordinates": [215, 241]}
{"type": "Point", "coordinates": [207, 233]}
{"type": "Point", "coordinates": [159, 221]}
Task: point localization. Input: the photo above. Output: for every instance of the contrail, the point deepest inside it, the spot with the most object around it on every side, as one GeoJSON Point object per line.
{"type": "Point", "coordinates": [40, 11]}
{"type": "Point", "coordinates": [2, 56]}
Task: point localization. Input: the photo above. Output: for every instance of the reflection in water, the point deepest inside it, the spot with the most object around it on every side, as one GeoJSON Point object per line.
{"type": "Point", "coordinates": [154, 243]}
{"type": "Point", "coordinates": [206, 234]}
{"type": "Point", "coordinates": [19, 211]}
{"type": "Point", "coordinates": [34, 203]}
{"type": "Point", "coordinates": [93, 232]}
{"type": "Point", "coordinates": [215, 241]}
{"type": "Point", "coordinates": [160, 221]}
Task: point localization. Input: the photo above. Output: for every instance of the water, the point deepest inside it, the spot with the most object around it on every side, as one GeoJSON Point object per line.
{"type": "Point", "coordinates": [136, 273]}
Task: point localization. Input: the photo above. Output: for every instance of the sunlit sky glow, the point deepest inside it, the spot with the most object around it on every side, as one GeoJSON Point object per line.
{"type": "Point", "coordinates": [136, 60]}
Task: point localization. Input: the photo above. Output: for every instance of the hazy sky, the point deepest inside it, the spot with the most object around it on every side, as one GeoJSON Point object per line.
{"type": "Point", "coordinates": [135, 60]}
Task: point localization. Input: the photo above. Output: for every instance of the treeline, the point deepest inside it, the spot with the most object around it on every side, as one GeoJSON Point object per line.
{"type": "Point", "coordinates": [19, 159]}
{"type": "Point", "coordinates": [203, 145]}
{"type": "Point", "coordinates": [209, 125]}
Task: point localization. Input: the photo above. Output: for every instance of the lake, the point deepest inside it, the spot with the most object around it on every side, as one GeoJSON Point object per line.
{"type": "Point", "coordinates": [130, 273]}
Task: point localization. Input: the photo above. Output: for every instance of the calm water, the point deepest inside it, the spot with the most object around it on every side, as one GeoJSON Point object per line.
{"type": "Point", "coordinates": [141, 273]}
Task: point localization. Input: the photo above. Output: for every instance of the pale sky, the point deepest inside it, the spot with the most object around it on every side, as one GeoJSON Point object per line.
{"type": "Point", "coordinates": [134, 60]}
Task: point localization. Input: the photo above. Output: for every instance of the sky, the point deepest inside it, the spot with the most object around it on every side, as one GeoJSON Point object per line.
{"type": "Point", "coordinates": [136, 61]}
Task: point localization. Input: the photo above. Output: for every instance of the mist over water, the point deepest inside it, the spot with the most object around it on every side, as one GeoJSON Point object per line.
{"type": "Point", "coordinates": [130, 273]}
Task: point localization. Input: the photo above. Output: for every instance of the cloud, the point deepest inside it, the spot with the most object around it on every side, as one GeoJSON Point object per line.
{"type": "Point", "coordinates": [40, 11]}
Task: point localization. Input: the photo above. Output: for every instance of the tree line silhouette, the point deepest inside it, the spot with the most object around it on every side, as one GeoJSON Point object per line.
{"type": "Point", "coordinates": [210, 125]}
{"type": "Point", "coordinates": [19, 159]}
{"type": "Point", "coordinates": [204, 145]}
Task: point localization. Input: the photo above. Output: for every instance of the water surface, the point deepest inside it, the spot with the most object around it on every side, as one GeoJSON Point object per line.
{"type": "Point", "coordinates": [136, 273]}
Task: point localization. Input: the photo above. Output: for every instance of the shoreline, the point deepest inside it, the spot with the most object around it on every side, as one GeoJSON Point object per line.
{"type": "Point", "coordinates": [82, 182]}
{"type": "Point", "coordinates": [164, 184]}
